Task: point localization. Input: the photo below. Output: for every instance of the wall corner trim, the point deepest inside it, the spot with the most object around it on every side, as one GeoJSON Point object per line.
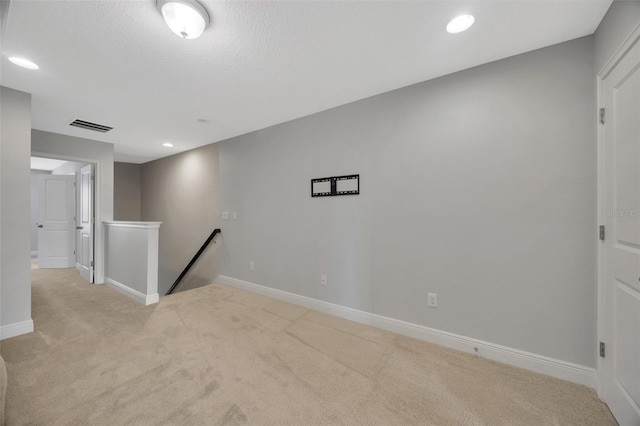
{"type": "Point", "coordinates": [617, 56]}
{"type": "Point", "coordinates": [148, 299]}
{"type": "Point", "coordinates": [538, 363]}
{"type": "Point", "coordinates": [16, 329]}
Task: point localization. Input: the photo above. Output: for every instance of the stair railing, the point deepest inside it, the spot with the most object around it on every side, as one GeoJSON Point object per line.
{"type": "Point", "coordinates": [193, 261]}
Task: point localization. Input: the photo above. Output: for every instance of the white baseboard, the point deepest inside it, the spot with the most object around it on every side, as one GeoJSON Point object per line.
{"type": "Point", "coordinates": [538, 363]}
{"type": "Point", "coordinates": [134, 294]}
{"type": "Point", "coordinates": [34, 253]}
{"type": "Point", "coordinates": [16, 329]}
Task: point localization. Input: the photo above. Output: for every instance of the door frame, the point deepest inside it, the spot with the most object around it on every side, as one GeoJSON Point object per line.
{"type": "Point", "coordinates": [92, 224]}
{"type": "Point", "coordinates": [98, 252]}
{"type": "Point", "coordinates": [617, 56]}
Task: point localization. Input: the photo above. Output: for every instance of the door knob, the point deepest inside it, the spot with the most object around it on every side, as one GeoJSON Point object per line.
{"type": "Point", "coordinates": [39, 226]}
{"type": "Point", "coordinates": [78, 227]}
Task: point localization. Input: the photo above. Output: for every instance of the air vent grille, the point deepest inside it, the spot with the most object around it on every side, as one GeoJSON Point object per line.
{"type": "Point", "coordinates": [90, 126]}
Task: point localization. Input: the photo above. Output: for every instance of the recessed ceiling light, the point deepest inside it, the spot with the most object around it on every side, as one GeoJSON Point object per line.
{"type": "Point", "coordinates": [168, 145]}
{"type": "Point", "coordinates": [460, 23]}
{"type": "Point", "coordinates": [201, 120]}
{"type": "Point", "coordinates": [24, 63]}
{"type": "Point", "coordinates": [187, 18]}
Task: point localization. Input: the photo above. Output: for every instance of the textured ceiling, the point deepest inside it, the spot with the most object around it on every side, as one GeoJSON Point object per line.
{"type": "Point", "coordinates": [259, 64]}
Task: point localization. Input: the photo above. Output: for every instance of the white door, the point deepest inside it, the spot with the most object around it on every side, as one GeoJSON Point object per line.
{"type": "Point", "coordinates": [84, 256]}
{"type": "Point", "coordinates": [56, 225]}
{"type": "Point", "coordinates": [619, 375]}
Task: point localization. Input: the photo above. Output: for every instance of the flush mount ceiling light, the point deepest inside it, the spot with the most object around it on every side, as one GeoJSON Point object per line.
{"type": "Point", "coordinates": [24, 63]}
{"type": "Point", "coordinates": [460, 23]}
{"type": "Point", "coordinates": [186, 18]}
{"type": "Point", "coordinates": [168, 145]}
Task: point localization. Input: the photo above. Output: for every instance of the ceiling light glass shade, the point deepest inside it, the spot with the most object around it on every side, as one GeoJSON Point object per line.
{"type": "Point", "coordinates": [187, 18]}
{"type": "Point", "coordinates": [24, 63]}
{"type": "Point", "coordinates": [460, 23]}
{"type": "Point", "coordinates": [167, 144]}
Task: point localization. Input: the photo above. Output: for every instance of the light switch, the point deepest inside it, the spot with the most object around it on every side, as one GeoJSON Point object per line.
{"type": "Point", "coordinates": [225, 215]}
{"type": "Point", "coordinates": [234, 215]}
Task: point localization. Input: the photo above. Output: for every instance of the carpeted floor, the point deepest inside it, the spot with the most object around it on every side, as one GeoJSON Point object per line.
{"type": "Point", "coordinates": [220, 356]}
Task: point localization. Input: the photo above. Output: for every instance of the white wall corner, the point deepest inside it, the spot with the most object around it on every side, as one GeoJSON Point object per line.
{"type": "Point", "coordinates": [152, 259]}
{"type": "Point", "coordinates": [538, 363]}
{"type": "Point", "coordinates": [150, 299]}
{"type": "Point", "coordinates": [16, 329]}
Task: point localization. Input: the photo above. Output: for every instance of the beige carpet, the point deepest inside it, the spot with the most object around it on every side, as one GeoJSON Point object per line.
{"type": "Point", "coordinates": [219, 356]}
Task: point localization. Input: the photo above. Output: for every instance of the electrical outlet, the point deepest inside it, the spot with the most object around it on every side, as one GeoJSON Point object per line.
{"type": "Point", "coordinates": [225, 215]}
{"type": "Point", "coordinates": [432, 299]}
{"type": "Point", "coordinates": [323, 279]}
{"type": "Point", "coordinates": [234, 215]}
{"type": "Point", "coordinates": [252, 266]}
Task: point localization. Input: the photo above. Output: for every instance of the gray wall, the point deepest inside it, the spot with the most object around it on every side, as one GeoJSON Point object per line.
{"type": "Point", "coordinates": [182, 192]}
{"type": "Point", "coordinates": [479, 186]}
{"type": "Point", "coordinates": [127, 191]}
{"type": "Point", "coordinates": [621, 18]}
{"type": "Point", "coordinates": [4, 12]}
{"type": "Point", "coordinates": [15, 273]}
{"type": "Point", "coordinates": [128, 256]}
{"type": "Point", "coordinates": [2, 9]}
{"type": "Point", "coordinates": [53, 145]}
{"type": "Point", "coordinates": [34, 207]}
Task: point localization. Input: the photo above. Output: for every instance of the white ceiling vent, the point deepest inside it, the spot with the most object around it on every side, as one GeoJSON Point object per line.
{"type": "Point", "coordinates": [90, 126]}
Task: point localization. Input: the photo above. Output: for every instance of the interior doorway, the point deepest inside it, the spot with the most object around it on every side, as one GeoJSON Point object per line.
{"type": "Point", "coordinates": [56, 221]}
{"type": "Point", "coordinates": [62, 214]}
